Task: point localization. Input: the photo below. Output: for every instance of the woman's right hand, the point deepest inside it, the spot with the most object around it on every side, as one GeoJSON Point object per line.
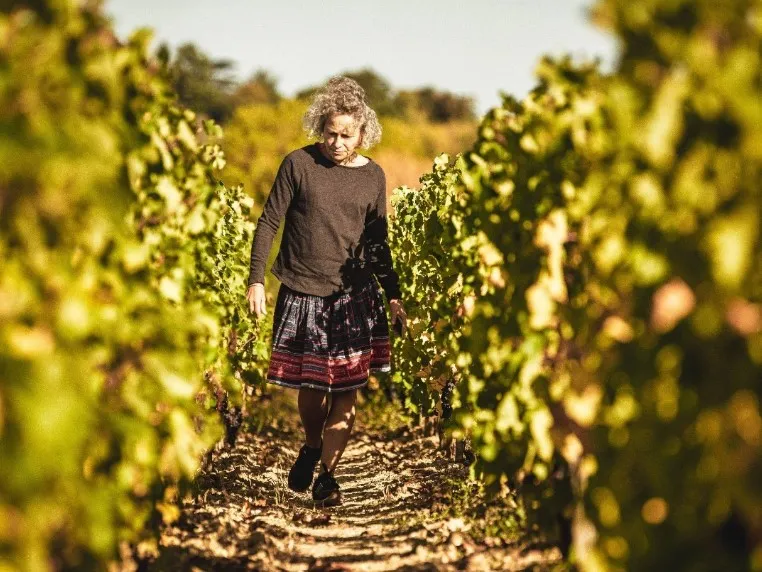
{"type": "Point", "coordinates": [256, 297]}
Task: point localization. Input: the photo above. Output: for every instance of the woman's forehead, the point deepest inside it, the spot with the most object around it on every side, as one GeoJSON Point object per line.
{"type": "Point", "coordinates": [342, 122]}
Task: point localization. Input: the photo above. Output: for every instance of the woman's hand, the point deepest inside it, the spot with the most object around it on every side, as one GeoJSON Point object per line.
{"type": "Point", "coordinates": [398, 313]}
{"type": "Point", "coordinates": [256, 297]}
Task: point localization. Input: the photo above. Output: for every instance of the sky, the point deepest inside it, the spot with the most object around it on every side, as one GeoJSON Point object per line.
{"type": "Point", "coordinates": [477, 48]}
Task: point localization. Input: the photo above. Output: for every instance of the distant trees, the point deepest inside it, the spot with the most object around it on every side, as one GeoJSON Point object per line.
{"type": "Point", "coordinates": [209, 86]}
{"type": "Point", "coordinates": [435, 105]}
{"type": "Point", "coordinates": [202, 83]}
{"type": "Point", "coordinates": [262, 87]}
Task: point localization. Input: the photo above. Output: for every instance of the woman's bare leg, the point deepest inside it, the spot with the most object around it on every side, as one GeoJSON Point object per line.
{"type": "Point", "coordinates": [313, 409]}
{"type": "Point", "coordinates": [338, 426]}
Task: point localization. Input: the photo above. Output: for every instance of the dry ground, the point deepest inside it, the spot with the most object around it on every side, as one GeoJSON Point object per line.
{"type": "Point", "coordinates": [406, 507]}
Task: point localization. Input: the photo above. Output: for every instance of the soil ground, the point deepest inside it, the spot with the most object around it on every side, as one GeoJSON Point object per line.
{"type": "Point", "coordinates": [407, 506]}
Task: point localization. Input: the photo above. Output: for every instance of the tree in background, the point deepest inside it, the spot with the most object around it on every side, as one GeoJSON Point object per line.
{"type": "Point", "coordinates": [202, 83]}
{"type": "Point", "coordinates": [209, 86]}
{"type": "Point", "coordinates": [262, 87]}
{"type": "Point", "coordinates": [435, 105]}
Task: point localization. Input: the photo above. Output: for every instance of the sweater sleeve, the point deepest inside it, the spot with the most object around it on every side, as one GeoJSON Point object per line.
{"type": "Point", "coordinates": [376, 232]}
{"type": "Point", "coordinates": [276, 206]}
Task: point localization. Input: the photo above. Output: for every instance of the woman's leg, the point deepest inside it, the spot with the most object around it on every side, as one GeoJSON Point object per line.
{"type": "Point", "coordinates": [338, 426]}
{"type": "Point", "coordinates": [313, 409]}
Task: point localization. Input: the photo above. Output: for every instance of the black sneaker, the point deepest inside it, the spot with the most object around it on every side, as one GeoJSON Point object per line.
{"type": "Point", "coordinates": [300, 475]}
{"type": "Point", "coordinates": [325, 491]}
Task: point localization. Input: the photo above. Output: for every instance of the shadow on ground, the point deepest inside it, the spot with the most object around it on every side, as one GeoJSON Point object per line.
{"type": "Point", "coordinates": [395, 484]}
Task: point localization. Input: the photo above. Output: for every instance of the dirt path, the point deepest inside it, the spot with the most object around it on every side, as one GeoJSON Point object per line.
{"type": "Point", "coordinates": [396, 488]}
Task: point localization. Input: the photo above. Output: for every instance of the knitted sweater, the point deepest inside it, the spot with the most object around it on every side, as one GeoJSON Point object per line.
{"type": "Point", "coordinates": [335, 238]}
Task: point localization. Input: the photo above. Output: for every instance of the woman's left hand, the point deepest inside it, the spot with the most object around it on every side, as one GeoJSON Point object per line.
{"type": "Point", "coordinates": [398, 313]}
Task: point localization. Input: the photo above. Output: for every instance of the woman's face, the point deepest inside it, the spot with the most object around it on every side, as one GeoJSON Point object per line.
{"type": "Point", "coordinates": [341, 135]}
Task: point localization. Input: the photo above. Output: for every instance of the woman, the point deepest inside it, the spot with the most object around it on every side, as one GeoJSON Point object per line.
{"type": "Point", "coordinates": [329, 325]}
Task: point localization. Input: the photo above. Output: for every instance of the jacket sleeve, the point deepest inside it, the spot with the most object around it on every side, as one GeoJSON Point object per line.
{"type": "Point", "coordinates": [276, 206]}
{"type": "Point", "coordinates": [379, 254]}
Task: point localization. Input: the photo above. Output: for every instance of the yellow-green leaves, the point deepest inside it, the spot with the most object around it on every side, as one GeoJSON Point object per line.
{"type": "Point", "coordinates": [730, 244]}
{"type": "Point", "coordinates": [121, 289]}
{"type": "Point", "coordinates": [602, 282]}
{"type": "Point", "coordinates": [663, 127]}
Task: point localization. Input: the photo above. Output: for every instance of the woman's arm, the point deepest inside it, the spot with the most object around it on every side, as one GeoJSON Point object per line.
{"type": "Point", "coordinates": [276, 205]}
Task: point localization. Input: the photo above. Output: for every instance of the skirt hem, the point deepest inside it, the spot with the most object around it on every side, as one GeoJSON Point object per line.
{"type": "Point", "coordinates": [317, 387]}
{"type": "Point", "coordinates": [327, 388]}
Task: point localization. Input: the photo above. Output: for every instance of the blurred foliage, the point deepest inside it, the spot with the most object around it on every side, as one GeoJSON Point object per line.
{"type": "Point", "coordinates": [206, 84]}
{"type": "Point", "coordinates": [122, 318]}
{"type": "Point", "coordinates": [434, 105]}
{"type": "Point", "coordinates": [257, 137]}
{"type": "Point", "coordinates": [595, 290]}
{"type": "Point", "coordinates": [586, 279]}
{"type": "Point", "coordinates": [262, 87]}
{"type": "Point", "coordinates": [209, 86]}
{"type": "Point", "coordinates": [424, 138]}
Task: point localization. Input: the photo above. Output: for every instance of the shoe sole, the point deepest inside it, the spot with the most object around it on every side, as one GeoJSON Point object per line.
{"type": "Point", "coordinates": [333, 499]}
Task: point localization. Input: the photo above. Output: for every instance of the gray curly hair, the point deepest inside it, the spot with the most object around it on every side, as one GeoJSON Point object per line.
{"type": "Point", "coordinates": [345, 96]}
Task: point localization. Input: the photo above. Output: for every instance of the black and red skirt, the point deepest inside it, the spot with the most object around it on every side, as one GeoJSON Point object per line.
{"type": "Point", "coordinates": [329, 343]}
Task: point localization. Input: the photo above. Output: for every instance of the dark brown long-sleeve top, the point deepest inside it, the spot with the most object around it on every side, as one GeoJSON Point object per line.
{"type": "Point", "coordinates": [335, 238]}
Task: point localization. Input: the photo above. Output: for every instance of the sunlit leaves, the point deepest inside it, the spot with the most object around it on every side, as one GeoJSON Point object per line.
{"type": "Point", "coordinates": [641, 301]}
{"type": "Point", "coordinates": [121, 289]}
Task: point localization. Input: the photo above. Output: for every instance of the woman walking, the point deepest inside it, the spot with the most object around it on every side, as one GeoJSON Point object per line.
{"type": "Point", "coordinates": [329, 324]}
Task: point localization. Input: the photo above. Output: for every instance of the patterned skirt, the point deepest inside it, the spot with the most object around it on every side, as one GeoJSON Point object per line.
{"type": "Point", "coordinates": [330, 343]}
